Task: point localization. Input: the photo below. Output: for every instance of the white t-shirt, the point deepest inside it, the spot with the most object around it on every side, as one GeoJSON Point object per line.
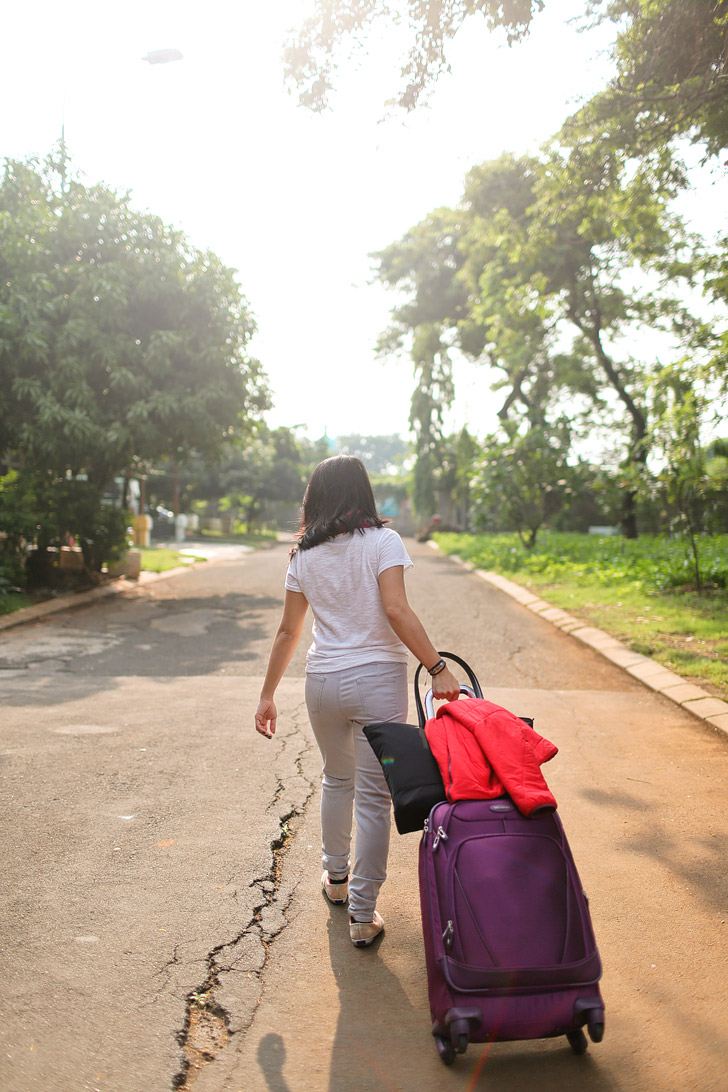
{"type": "Point", "coordinates": [339, 580]}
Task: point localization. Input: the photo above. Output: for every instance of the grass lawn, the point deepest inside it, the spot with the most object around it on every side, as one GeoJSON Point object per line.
{"type": "Point", "coordinates": [260, 538]}
{"type": "Point", "coordinates": [160, 559]}
{"type": "Point", "coordinates": [631, 590]}
{"type": "Point", "coordinates": [15, 601]}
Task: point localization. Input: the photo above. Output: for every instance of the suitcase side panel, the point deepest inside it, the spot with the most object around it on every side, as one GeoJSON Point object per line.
{"type": "Point", "coordinates": [440, 997]}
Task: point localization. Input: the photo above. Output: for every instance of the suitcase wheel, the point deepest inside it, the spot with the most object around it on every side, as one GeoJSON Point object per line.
{"type": "Point", "coordinates": [445, 1049]}
{"type": "Point", "coordinates": [596, 1031]}
{"type": "Point", "coordinates": [577, 1041]}
{"type": "Point", "coordinates": [460, 1035]}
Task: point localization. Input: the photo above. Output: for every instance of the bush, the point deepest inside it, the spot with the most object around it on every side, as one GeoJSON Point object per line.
{"type": "Point", "coordinates": [45, 511]}
{"type": "Point", "coordinates": [650, 562]}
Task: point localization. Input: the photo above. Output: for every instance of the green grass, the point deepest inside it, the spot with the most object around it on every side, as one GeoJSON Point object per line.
{"type": "Point", "coordinates": [638, 591]}
{"type": "Point", "coordinates": [159, 559]}
{"type": "Point", "coordinates": [259, 538]}
{"type": "Point", "coordinates": [15, 601]}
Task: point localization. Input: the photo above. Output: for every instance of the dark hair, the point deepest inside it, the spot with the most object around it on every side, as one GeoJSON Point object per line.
{"type": "Point", "coordinates": [338, 498]}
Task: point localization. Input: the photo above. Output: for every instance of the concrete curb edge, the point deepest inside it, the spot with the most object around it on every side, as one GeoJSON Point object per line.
{"type": "Point", "coordinates": [77, 599]}
{"type": "Point", "coordinates": [692, 698]}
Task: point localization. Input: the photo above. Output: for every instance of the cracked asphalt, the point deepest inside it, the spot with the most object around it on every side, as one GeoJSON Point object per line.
{"type": "Point", "coordinates": [161, 923]}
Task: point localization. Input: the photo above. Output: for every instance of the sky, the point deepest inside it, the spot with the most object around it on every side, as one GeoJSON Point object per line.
{"type": "Point", "coordinates": [216, 145]}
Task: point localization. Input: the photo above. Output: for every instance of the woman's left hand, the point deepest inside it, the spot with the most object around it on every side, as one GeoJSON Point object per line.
{"type": "Point", "coordinates": [266, 716]}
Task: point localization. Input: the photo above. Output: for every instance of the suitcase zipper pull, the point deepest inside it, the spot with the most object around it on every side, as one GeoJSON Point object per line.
{"type": "Point", "coordinates": [440, 834]}
{"type": "Point", "coordinates": [447, 936]}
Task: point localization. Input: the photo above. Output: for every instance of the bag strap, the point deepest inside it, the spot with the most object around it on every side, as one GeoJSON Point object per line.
{"type": "Point", "coordinates": [445, 656]}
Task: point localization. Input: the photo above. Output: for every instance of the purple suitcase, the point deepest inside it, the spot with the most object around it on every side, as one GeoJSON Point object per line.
{"type": "Point", "coordinates": [509, 944]}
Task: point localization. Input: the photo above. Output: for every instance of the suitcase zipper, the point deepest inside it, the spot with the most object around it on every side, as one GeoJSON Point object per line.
{"type": "Point", "coordinates": [436, 840]}
{"type": "Point", "coordinates": [448, 935]}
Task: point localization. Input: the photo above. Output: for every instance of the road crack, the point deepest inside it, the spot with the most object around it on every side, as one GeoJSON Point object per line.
{"type": "Point", "coordinates": [224, 1004]}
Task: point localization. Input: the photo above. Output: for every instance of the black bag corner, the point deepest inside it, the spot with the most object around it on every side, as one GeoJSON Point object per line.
{"type": "Point", "coordinates": [411, 772]}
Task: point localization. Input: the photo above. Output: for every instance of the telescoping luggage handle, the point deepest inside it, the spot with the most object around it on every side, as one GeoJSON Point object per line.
{"type": "Point", "coordinates": [473, 690]}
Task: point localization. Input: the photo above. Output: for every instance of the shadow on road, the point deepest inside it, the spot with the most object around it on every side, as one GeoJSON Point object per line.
{"type": "Point", "coordinates": [271, 1059]}
{"type": "Point", "coordinates": [383, 1041]}
{"type": "Point", "coordinates": [163, 638]}
{"type": "Point", "coordinates": [692, 856]}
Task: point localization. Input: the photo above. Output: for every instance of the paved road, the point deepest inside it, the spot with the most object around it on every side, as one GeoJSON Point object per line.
{"type": "Point", "coordinates": [161, 920]}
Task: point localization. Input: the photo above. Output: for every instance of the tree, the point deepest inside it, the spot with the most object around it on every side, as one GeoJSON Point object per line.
{"type": "Point", "coordinates": [689, 473]}
{"type": "Point", "coordinates": [549, 271]}
{"type": "Point", "coordinates": [671, 56]}
{"type": "Point", "coordinates": [270, 467]}
{"type": "Point", "coordinates": [310, 56]}
{"type": "Point", "coordinates": [120, 343]}
{"type": "Point", "coordinates": [672, 67]}
{"type": "Point", "coordinates": [429, 323]}
{"type": "Point", "coordinates": [521, 482]}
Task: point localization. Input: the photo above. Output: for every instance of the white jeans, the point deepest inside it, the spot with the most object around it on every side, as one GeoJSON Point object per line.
{"type": "Point", "coordinates": [339, 703]}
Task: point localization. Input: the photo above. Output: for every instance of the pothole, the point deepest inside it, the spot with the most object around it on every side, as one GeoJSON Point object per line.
{"type": "Point", "coordinates": [205, 1036]}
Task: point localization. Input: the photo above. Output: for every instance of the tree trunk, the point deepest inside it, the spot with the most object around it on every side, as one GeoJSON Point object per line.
{"type": "Point", "coordinates": [637, 457]}
{"type": "Point", "coordinates": [628, 519]}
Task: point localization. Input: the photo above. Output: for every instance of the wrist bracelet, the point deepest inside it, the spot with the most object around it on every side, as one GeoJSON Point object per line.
{"type": "Point", "coordinates": [437, 668]}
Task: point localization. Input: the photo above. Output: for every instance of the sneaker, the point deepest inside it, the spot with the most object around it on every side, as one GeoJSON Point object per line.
{"type": "Point", "coordinates": [336, 891]}
{"type": "Point", "coordinates": [364, 932]}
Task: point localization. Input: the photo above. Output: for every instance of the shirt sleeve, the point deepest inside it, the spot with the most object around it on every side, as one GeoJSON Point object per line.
{"type": "Point", "coordinates": [292, 583]}
{"type": "Point", "coordinates": [392, 552]}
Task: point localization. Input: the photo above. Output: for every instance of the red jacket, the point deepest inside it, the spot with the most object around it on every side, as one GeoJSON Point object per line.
{"type": "Point", "coordinates": [484, 751]}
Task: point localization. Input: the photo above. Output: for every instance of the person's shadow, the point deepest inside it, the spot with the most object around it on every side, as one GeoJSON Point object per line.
{"type": "Point", "coordinates": [381, 1034]}
{"type": "Point", "coordinates": [271, 1059]}
{"type": "Point", "coordinates": [376, 1017]}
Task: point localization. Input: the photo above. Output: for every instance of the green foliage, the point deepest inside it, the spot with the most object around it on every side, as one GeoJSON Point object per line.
{"type": "Point", "coordinates": [672, 66]}
{"type": "Point", "coordinates": [45, 510]}
{"type": "Point", "coordinates": [671, 57]}
{"type": "Point", "coordinates": [640, 592]}
{"type": "Point", "coordinates": [522, 482]}
{"type": "Point", "coordinates": [249, 480]}
{"type": "Point", "coordinates": [380, 454]}
{"type": "Point", "coordinates": [539, 255]}
{"type": "Point", "coordinates": [119, 343]}
{"type": "Point", "coordinates": [18, 522]}
{"type": "Point", "coordinates": [649, 563]}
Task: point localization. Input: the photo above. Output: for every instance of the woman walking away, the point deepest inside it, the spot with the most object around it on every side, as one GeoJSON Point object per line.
{"type": "Point", "coordinates": [350, 568]}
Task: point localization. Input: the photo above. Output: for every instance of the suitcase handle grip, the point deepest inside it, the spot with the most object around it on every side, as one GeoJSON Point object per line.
{"type": "Point", "coordinates": [430, 699]}
{"type": "Point", "coordinates": [476, 690]}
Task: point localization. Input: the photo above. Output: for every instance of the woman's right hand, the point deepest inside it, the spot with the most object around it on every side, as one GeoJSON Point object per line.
{"type": "Point", "coordinates": [265, 717]}
{"type": "Point", "coordinates": [445, 686]}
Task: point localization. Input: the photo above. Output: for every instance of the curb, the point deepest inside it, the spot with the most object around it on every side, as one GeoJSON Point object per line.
{"type": "Point", "coordinates": [704, 706]}
{"type": "Point", "coordinates": [78, 599]}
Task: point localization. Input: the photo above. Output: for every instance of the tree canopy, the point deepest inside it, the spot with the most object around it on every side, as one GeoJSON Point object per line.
{"type": "Point", "coordinates": [311, 55]}
{"type": "Point", "coordinates": [549, 271]}
{"type": "Point", "coordinates": [671, 57]}
{"type": "Point", "coordinates": [120, 343]}
{"type": "Point", "coordinates": [672, 70]}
